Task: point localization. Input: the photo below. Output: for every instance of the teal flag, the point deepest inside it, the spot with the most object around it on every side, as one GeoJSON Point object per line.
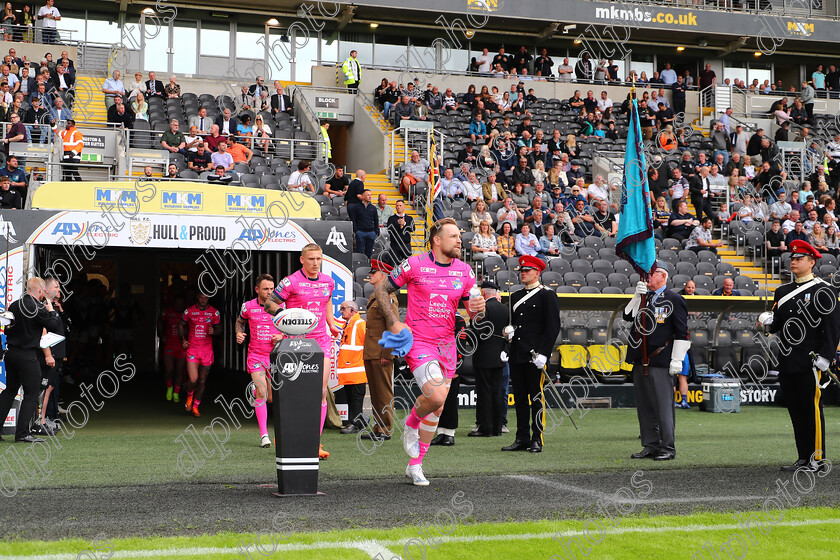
{"type": "Point", "coordinates": [635, 242]}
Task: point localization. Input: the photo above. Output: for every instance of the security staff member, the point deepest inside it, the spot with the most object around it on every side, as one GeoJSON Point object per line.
{"type": "Point", "coordinates": [379, 362]}
{"type": "Point", "coordinates": [488, 361]}
{"type": "Point", "coordinates": [23, 338]}
{"type": "Point", "coordinates": [536, 322]}
{"type": "Point", "coordinates": [806, 316]}
{"type": "Point", "coordinates": [657, 348]}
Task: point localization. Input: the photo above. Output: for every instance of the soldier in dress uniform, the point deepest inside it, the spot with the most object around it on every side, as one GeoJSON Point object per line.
{"type": "Point", "coordinates": [805, 315]}
{"type": "Point", "coordinates": [536, 322]}
{"type": "Point", "coordinates": [379, 362]}
{"type": "Point", "coordinates": [657, 350]}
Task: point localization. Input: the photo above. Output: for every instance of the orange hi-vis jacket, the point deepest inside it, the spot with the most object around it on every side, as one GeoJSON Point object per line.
{"type": "Point", "coordinates": [72, 140]}
{"type": "Point", "coordinates": [350, 363]}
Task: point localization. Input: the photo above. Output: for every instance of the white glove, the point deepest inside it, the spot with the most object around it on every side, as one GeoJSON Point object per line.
{"type": "Point", "coordinates": [503, 356]}
{"type": "Point", "coordinates": [765, 321]}
{"type": "Point", "coordinates": [678, 352]}
{"type": "Point", "coordinates": [508, 332]}
{"type": "Point", "coordinates": [641, 288]}
{"type": "Point", "coordinates": [539, 360]}
{"type": "Point", "coordinates": [821, 363]}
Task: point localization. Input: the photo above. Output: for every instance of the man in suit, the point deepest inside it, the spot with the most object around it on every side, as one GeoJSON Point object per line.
{"type": "Point", "coordinates": [657, 348]}
{"type": "Point", "coordinates": [536, 323]}
{"type": "Point", "coordinates": [154, 87]}
{"type": "Point", "coordinates": [379, 362]}
{"type": "Point", "coordinates": [700, 189]}
{"type": "Point", "coordinates": [227, 123]}
{"type": "Point", "coordinates": [201, 121]}
{"type": "Point", "coordinates": [280, 102]}
{"type": "Point", "coordinates": [28, 85]}
{"type": "Point", "coordinates": [489, 361]}
{"type": "Point", "coordinates": [256, 89]}
{"type": "Point", "coordinates": [806, 317]}
{"type": "Point", "coordinates": [120, 113]}
{"type": "Point", "coordinates": [61, 85]}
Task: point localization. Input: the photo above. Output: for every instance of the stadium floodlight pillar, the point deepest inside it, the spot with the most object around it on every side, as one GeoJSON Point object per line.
{"type": "Point", "coordinates": [296, 380]}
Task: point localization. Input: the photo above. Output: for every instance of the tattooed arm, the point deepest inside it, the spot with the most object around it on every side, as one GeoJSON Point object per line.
{"type": "Point", "coordinates": [383, 298]}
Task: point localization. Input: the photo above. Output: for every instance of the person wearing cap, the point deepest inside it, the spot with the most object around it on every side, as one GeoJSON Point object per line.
{"type": "Point", "coordinates": [536, 322]}
{"type": "Point", "coordinates": [806, 317]}
{"type": "Point", "coordinates": [378, 361]}
{"type": "Point", "coordinates": [658, 346]}
{"type": "Point", "coordinates": [489, 360]}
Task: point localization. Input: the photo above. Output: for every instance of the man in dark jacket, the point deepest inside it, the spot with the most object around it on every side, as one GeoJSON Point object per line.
{"type": "Point", "coordinates": [32, 313]}
{"type": "Point", "coordinates": [536, 322]}
{"type": "Point", "coordinates": [488, 362]}
{"type": "Point", "coordinates": [656, 357]}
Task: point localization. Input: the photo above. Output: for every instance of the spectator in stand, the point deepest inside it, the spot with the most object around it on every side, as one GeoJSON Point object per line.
{"type": "Point", "coordinates": [416, 170]}
{"type": "Point", "coordinates": [220, 175]}
{"type": "Point", "coordinates": [223, 158]}
{"type": "Point", "coordinates": [281, 102]}
{"type": "Point", "coordinates": [154, 87]}
{"type": "Point", "coordinates": [583, 69]}
{"type": "Point", "coordinates": [509, 213]}
{"type": "Point", "coordinates": [506, 242]}
{"type": "Point", "coordinates": [707, 78]}
{"type": "Point", "coordinates": [300, 180]}
{"type": "Point", "coordinates": [17, 176]}
{"type": "Point", "coordinates": [536, 216]}
{"type": "Point", "coordinates": [484, 242]}
{"type": "Point", "coordinates": [681, 222]}
{"type": "Point", "coordinates": [491, 190]}
{"type": "Point", "coordinates": [543, 64]}
{"type": "Point", "coordinates": [140, 108]}
{"type": "Point", "coordinates": [192, 139]}
{"type": "Point", "coordinates": [797, 233]}
{"type": "Point", "coordinates": [678, 96]}
{"type": "Point", "coordinates": [480, 214]}
{"type": "Point", "coordinates": [727, 289]}
{"type": "Point", "coordinates": [112, 88]}
{"type": "Point", "coordinates": [775, 240]}
{"type": "Point", "coordinates": [450, 187]}
{"type": "Point", "coordinates": [213, 139]}
{"type": "Point", "coordinates": [522, 174]}
{"type": "Point", "coordinates": [383, 212]}
{"type": "Point", "coordinates": [200, 160]}
{"type": "Point", "coordinates": [15, 133]}
{"type": "Point", "coordinates": [239, 151]}
{"type": "Point", "coordinates": [806, 98]}
{"type": "Point", "coordinates": [527, 243]}
{"type": "Point", "coordinates": [120, 114]}
{"type": "Point", "coordinates": [701, 238]}
{"type": "Point", "coordinates": [62, 86]}
{"type": "Point", "coordinates": [138, 86]}
{"type": "Point", "coordinates": [355, 189]}
{"type": "Point", "coordinates": [48, 15]}
{"type": "Point", "coordinates": [484, 61]}
{"type": "Point", "coordinates": [720, 141]}
{"type": "Point", "coordinates": [818, 79]}
{"type": "Point", "coordinates": [201, 121]}
{"type": "Point", "coordinates": [668, 76]}
{"type": "Point", "coordinates": [40, 116]}
{"type": "Point", "coordinates": [227, 123]}
{"type": "Point", "coordinates": [337, 184]}
{"type": "Point", "coordinates": [400, 229]}
{"type": "Point", "coordinates": [172, 90]}
{"type": "Point", "coordinates": [59, 112]}
{"type": "Point", "coordinates": [738, 140]}
{"type": "Point", "coordinates": [173, 139]}
{"type": "Point", "coordinates": [478, 129]}
{"type": "Point", "coordinates": [582, 219]}
{"type": "Point", "coordinates": [522, 59]}
{"type": "Point", "coordinates": [472, 188]}
{"type": "Point", "coordinates": [9, 199]}
{"type": "Point", "coordinates": [403, 110]}
{"type": "Point", "coordinates": [365, 223]}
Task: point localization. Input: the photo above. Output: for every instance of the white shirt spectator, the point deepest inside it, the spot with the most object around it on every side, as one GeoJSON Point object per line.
{"type": "Point", "coordinates": [604, 104]}
{"type": "Point", "coordinates": [739, 146]}
{"type": "Point", "coordinates": [113, 85]}
{"type": "Point", "coordinates": [485, 62]}
{"type": "Point", "coordinates": [224, 159]}
{"type": "Point", "coordinates": [788, 226]}
{"type": "Point", "coordinates": [680, 188]}
{"type": "Point", "coordinates": [299, 181]}
{"type": "Point", "coordinates": [599, 191]}
{"type": "Point", "coordinates": [472, 191]}
{"type": "Point", "coordinates": [49, 22]}
{"type": "Point", "coordinates": [189, 140]}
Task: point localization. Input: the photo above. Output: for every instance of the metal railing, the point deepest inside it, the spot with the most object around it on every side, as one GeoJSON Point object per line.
{"type": "Point", "coordinates": [30, 34]}
{"type": "Point", "coordinates": [414, 139]}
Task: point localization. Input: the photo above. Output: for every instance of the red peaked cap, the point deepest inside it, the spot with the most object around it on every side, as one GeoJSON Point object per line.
{"type": "Point", "coordinates": [533, 262]}
{"type": "Point", "coordinates": [380, 266]}
{"type": "Point", "coordinates": [799, 248]}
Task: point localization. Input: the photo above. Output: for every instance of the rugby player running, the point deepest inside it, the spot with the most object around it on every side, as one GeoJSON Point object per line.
{"type": "Point", "coordinates": [437, 282]}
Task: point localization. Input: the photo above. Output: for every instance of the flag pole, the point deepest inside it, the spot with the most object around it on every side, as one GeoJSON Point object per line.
{"type": "Point", "coordinates": [644, 276]}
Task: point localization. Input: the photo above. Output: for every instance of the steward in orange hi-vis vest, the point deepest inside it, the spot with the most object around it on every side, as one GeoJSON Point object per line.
{"type": "Point", "coordinates": [350, 364]}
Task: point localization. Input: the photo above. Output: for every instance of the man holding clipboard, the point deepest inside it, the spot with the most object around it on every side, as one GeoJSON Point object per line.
{"type": "Point", "coordinates": [33, 312]}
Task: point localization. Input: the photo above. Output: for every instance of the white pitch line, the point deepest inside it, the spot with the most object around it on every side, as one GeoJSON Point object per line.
{"type": "Point", "coordinates": [604, 496]}
{"type": "Point", "coordinates": [174, 552]}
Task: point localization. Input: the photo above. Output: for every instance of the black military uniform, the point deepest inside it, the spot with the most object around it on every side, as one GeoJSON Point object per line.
{"type": "Point", "coordinates": [487, 363]}
{"type": "Point", "coordinates": [807, 318]}
{"type": "Point", "coordinates": [666, 314]}
{"type": "Point", "coordinates": [536, 319]}
{"type": "Point", "coordinates": [23, 338]}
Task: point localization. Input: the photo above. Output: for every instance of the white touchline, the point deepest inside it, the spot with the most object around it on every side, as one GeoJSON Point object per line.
{"type": "Point", "coordinates": [364, 545]}
{"type": "Point", "coordinates": [611, 498]}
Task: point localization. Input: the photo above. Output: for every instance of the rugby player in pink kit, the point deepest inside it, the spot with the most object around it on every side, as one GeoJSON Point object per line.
{"type": "Point", "coordinates": [436, 282]}
{"type": "Point", "coordinates": [309, 289]}
{"type": "Point", "coordinates": [264, 336]}
{"type": "Point", "coordinates": [173, 352]}
{"type": "Point", "coordinates": [196, 328]}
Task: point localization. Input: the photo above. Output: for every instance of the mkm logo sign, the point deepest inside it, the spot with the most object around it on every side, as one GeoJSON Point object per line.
{"type": "Point", "coordinates": [244, 202]}
{"type": "Point", "coordinates": [109, 197]}
{"type": "Point", "coordinates": [178, 200]}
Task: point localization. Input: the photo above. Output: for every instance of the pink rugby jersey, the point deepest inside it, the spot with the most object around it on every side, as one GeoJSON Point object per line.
{"type": "Point", "coordinates": [198, 321]}
{"type": "Point", "coordinates": [170, 320]}
{"type": "Point", "coordinates": [434, 292]}
{"type": "Point", "coordinates": [261, 327]}
{"type": "Point", "coordinates": [296, 290]}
